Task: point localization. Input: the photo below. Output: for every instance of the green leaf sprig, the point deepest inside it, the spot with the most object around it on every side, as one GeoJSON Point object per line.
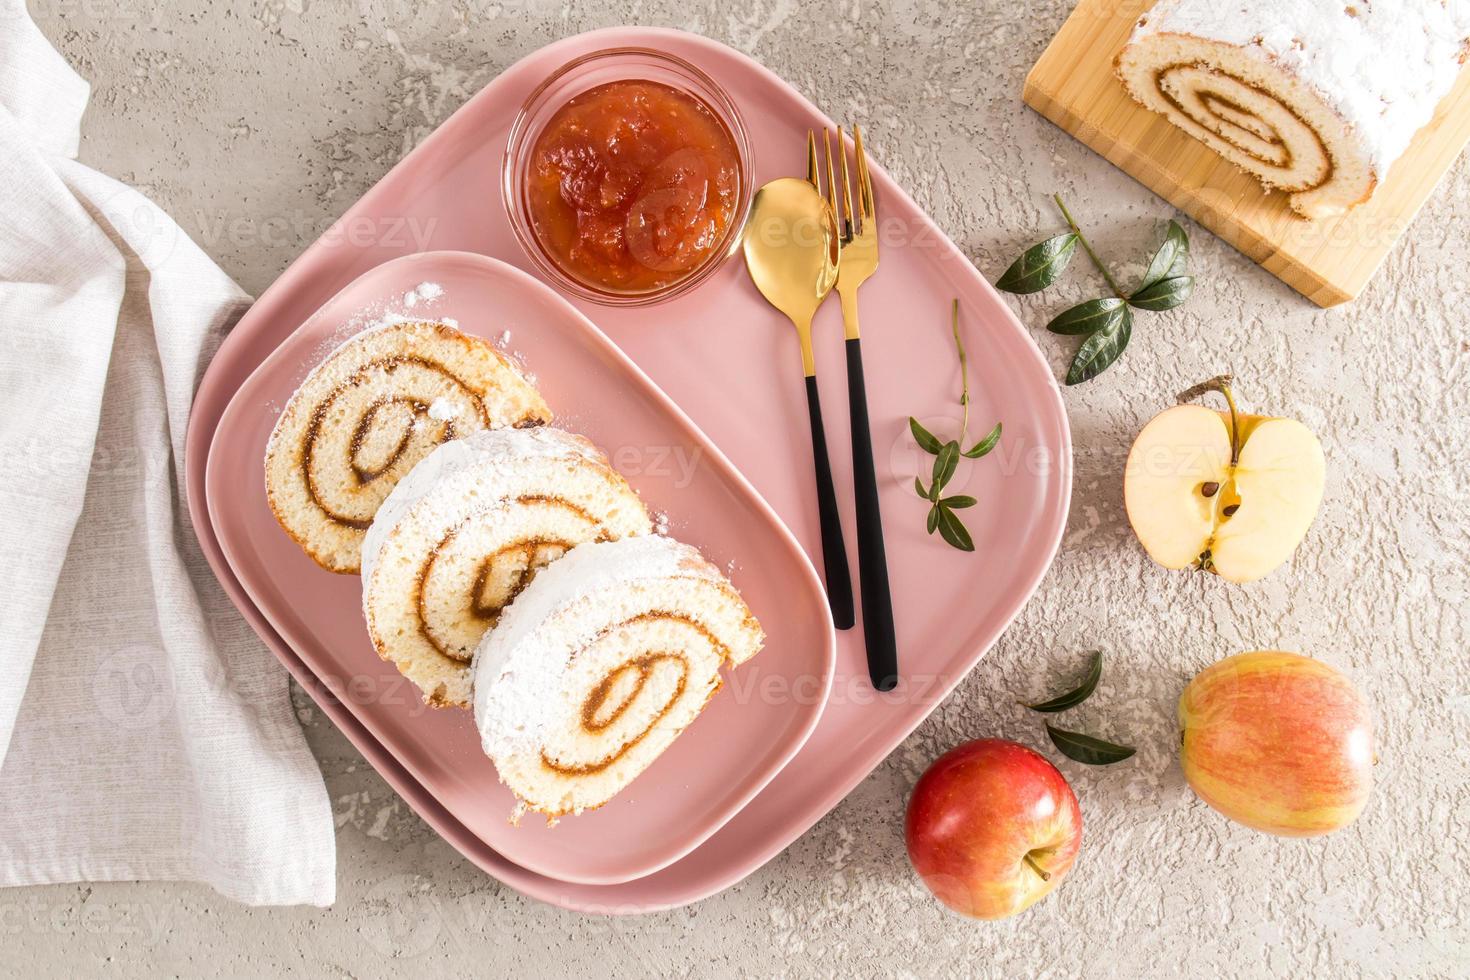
{"type": "Point", "coordinates": [943, 516]}
{"type": "Point", "coordinates": [1075, 745]}
{"type": "Point", "coordinates": [1106, 324]}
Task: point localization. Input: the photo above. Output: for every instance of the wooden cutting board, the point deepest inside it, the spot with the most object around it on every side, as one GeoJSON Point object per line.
{"type": "Point", "coordinates": [1328, 261]}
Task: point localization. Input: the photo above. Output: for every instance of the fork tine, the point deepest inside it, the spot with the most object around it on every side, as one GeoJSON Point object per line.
{"type": "Point", "coordinates": [831, 178]}
{"type": "Point", "coordinates": [811, 159]}
{"type": "Point", "coordinates": [866, 179]}
{"type": "Point", "coordinates": [852, 217]}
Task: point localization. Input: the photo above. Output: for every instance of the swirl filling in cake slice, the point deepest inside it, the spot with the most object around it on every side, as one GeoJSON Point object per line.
{"type": "Point", "coordinates": [600, 664]}
{"type": "Point", "coordinates": [468, 530]}
{"type": "Point", "coordinates": [366, 415]}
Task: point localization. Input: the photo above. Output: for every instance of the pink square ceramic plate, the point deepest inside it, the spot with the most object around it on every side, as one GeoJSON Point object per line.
{"type": "Point", "coordinates": [738, 743]}
{"type": "Point", "coordinates": [731, 364]}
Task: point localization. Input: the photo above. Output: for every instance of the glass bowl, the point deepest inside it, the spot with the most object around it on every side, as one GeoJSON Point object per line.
{"type": "Point", "coordinates": [571, 80]}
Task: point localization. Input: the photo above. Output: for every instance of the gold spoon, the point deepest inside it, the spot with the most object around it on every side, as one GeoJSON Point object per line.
{"type": "Point", "coordinates": [791, 249]}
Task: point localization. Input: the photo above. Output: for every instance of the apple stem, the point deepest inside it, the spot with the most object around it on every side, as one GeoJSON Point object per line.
{"type": "Point", "coordinates": [1045, 875]}
{"type": "Point", "coordinates": [1234, 422]}
{"type": "Point", "coordinates": [1221, 383]}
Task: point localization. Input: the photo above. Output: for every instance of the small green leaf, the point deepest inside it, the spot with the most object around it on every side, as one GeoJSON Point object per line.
{"type": "Point", "coordinates": [933, 521]}
{"type": "Point", "coordinates": [944, 467]}
{"type": "Point", "coordinates": [1172, 258]}
{"type": "Point", "coordinates": [1086, 749]}
{"type": "Point", "coordinates": [959, 502]}
{"type": "Point", "coordinates": [1164, 294]}
{"type": "Point", "coordinates": [1073, 698]}
{"type": "Point", "coordinates": [924, 438]}
{"type": "Point", "coordinates": [919, 488]}
{"type": "Point", "coordinates": [984, 445]}
{"type": "Point", "coordinates": [1089, 317]}
{"type": "Point", "coordinates": [1099, 351]}
{"type": "Point", "coordinates": [1039, 266]}
{"type": "Point", "coordinates": [953, 530]}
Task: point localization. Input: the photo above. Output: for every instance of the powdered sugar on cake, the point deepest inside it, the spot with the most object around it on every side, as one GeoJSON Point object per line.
{"type": "Point", "coordinates": [491, 449]}
{"type": "Point", "coordinates": [1382, 66]}
{"type": "Point", "coordinates": [443, 410]}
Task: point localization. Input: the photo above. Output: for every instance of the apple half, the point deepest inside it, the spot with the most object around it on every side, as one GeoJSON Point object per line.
{"type": "Point", "coordinates": [1224, 492]}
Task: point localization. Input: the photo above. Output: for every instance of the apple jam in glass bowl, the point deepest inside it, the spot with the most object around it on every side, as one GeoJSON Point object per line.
{"type": "Point", "coordinates": [627, 176]}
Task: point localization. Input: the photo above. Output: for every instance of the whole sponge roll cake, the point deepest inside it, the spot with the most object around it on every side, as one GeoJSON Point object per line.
{"type": "Point", "coordinates": [600, 664]}
{"type": "Point", "coordinates": [468, 530]}
{"type": "Point", "coordinates": [376, 406]}
{"type": "Point", "coordinates": [1315, 98]}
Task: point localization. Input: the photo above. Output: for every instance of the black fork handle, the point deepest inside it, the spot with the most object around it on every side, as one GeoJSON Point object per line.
{"type": "Point", "coordinates": [834, 549]}
{"type": "Point", "coordinates": [872, 559]}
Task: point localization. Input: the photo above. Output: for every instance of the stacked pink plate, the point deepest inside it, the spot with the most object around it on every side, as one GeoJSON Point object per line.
{"type": "Point", "coordinates": [699, 403]}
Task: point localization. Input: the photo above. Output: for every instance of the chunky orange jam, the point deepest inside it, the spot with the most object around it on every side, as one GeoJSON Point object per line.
{"type": "Point", "coordinates": [632, 185]}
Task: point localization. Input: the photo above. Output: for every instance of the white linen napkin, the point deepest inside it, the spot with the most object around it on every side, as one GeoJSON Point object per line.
{"type": "Point", "coordinates": [145, 732]}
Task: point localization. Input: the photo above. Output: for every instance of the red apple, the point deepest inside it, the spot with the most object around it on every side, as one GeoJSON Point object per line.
{"type": "Point", "coordinates": [992, 827]}
{"type": "Point", "coordinates": [1279, 742]}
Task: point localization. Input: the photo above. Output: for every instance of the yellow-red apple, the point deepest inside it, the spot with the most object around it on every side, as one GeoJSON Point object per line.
{"type": "Point", "coordinates": [992, 827]}
{"type": "Point", "coordinates": [1279, 742]}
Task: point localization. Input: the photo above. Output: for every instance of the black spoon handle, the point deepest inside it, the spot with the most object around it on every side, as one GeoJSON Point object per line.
{"type": "Point", "coordinates": [872, 560]}
{"type": "Point", "coordinates": [834, 549]}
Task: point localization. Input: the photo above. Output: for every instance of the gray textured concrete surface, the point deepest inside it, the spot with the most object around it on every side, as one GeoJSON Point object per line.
{"type": "Point", "coordinates": [257, 122]}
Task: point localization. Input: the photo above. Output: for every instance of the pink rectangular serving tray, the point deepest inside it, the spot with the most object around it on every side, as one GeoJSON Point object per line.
{"type": "Point", "coordinates": [730, 362]}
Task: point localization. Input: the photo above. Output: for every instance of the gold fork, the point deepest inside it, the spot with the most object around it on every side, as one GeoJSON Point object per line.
{"type": "Point", "coordinates": [858, 236]}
